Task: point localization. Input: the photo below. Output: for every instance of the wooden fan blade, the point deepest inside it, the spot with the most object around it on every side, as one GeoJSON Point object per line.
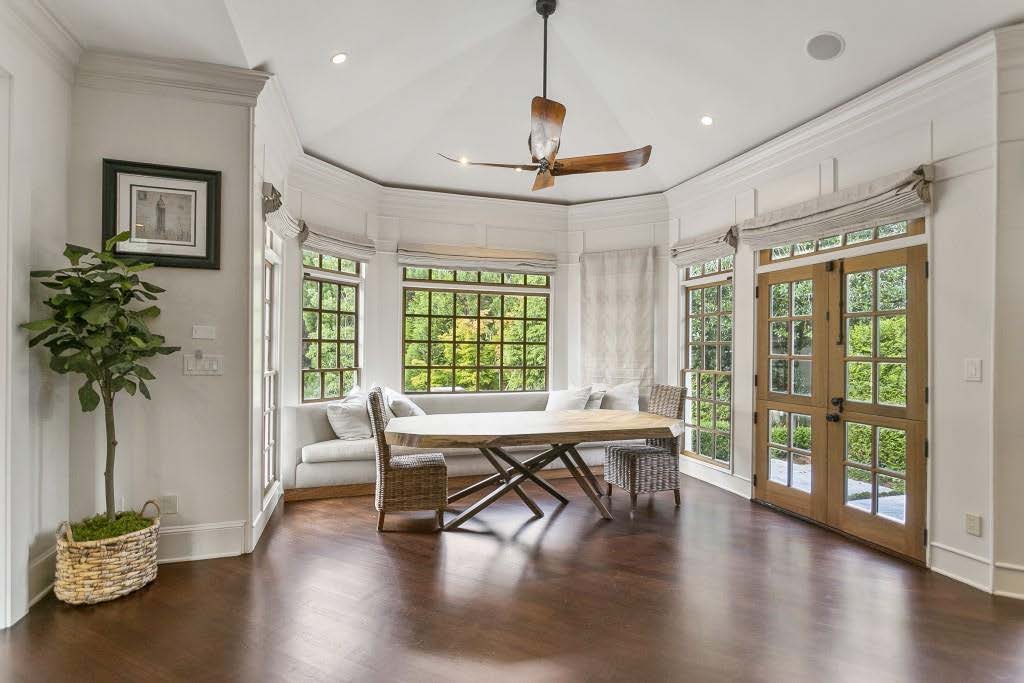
{"type": "Point", "coordinates": [519, 167]}
{"type": "Point", "coordinates": [598, 163]}
{"type": "Point", "coordinates": [546, 128]}
{"type": "Point", "coordinates": [544, 180]}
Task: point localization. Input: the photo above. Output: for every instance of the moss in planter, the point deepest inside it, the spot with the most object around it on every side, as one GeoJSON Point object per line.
{"type": "Point", "coordinates": [99, 527]}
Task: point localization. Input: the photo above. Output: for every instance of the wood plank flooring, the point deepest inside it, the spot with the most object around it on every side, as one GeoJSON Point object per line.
{"type": "Point", "coordinates": [718, 590]}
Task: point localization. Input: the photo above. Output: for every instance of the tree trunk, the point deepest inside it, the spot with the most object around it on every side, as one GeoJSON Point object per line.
{"type": "Point", "coordinates": [108, 474]}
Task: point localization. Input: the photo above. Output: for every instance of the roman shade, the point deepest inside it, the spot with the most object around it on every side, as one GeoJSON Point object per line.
{"type": "Point", "coordinates": [340, 244]}
{"type": "Point", "coordinates": [710, 246]}
{"type": "Point", "coordinates": [276, 216]}
{"type": "Point", "coordinates": [475, 258]}
{"type": "Point", "coordinates": [892, 198]}
{"type": "Point", "coordinates": [617, 317]}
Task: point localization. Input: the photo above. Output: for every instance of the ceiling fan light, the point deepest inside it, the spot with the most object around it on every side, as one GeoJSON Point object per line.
{"type": "Point", "coordinates": [339, 58]}
{"type": "Point", "coordinates": [706, 120]}
{"type": "Point", "coordinates": [463, 160]}
{"type": "Point", "coordinates": [519, 169]}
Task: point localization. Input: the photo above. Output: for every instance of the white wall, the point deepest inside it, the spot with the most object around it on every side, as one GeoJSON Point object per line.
{"type": "Point", "coordinates": [943, 112]}
{"type": "Point", "coordinates": [36, 67]}
{"type": "Point", "coordinates": [193, 439]}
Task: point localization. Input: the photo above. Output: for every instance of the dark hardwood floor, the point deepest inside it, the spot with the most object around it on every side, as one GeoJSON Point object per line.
{"type": "Point", "coordinates": [720, 589]}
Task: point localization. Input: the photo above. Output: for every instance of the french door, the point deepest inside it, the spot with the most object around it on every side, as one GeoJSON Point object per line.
{"type": "Point", "coordinates": [841, 388]}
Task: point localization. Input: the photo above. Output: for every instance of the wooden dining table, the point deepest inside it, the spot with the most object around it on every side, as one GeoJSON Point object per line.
{"type": "Point", "coordinates": [561, 431]}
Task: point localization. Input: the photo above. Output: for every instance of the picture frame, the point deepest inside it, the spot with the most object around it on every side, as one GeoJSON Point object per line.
{"type": "Point", "coordinates": [173, 213]}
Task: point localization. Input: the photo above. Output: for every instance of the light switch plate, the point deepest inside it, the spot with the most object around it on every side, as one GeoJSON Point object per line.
{"type": "Point", "coordinates": [204, 332]}
{"type": "Point", "coordinates": [203, 364]}
{"type": "Point", "coordinates": [972, 524]}
{"type": "Point", "coordinates": [972, 369]}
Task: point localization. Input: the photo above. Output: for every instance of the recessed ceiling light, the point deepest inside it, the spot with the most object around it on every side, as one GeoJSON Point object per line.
{"type": "Point", "coordinates": [706, 120]}
{"type": "Point", "coordinates": [339, 58]}
{"type": "Point", "coordinates": [825, 46]}
{"type": "Point", "coordinates": [463, 160]}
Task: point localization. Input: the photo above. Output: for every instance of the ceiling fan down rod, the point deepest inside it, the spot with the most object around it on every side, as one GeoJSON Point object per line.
{"type": "Point", "coordinates": [546, 8]}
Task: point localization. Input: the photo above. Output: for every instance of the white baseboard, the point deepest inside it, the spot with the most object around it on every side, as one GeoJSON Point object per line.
{"type": "Point", "coordinates": [715, 476]}
{"type": "Point", "coordinates": [40, 575]}
{"type": "Point", "coordinates": [260, 523]}
{"type": "Point", "coordinates": [1009, 580]}
{"type": "Point", "coordinates": [201, 541]}
{"type": "Point", "coordinates": [962, 566]}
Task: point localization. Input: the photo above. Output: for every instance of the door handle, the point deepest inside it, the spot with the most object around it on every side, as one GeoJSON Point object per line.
{"type": "Point", "coordinates": [837, 401]}
{"type": "Point", "coordinates": [832, 417]}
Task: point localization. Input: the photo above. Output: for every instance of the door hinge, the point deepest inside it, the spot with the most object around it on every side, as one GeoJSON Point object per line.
{"type": "Point", "coordinates": [757, 291]}
{"type": "Point", "coordinates": [926, 394]}
{"type": "Point", "coordinates": [926, 538]}
{"type": "Point", "coordinates": [926, 448]}
{"type": "Point", "coordinates": [830, 266]}
{"type": "Point", "coordinates": [927, 268]}
{"type": "Point", "coordinates": [755, 418]}
{"type": "Point", "coordinates": [755, 379]}
{"type": "Point", "coordinates": [828, 315]}
{"type": "Point", "coordinates": [754, 480]}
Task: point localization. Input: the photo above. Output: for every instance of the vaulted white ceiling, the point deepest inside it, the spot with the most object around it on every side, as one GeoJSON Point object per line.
{"type": "Point", "coordinates": [457, 76]}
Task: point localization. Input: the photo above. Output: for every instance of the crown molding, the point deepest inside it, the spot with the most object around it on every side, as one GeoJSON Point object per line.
{"type": "Point", "coordinates": [46, 35]}
{"type": "Point", "coordinates": [172, 77]}
{"type": "Point", "coordinates": [307, 173]}
{"type": "Point", "coordinates": [443, 206]}
{"type": "Point", "coordinates": [277, 108]}
{"type": "Point", "coordinates": [649, 208]}
{"type": "Point", "coordinates": [913, 88]}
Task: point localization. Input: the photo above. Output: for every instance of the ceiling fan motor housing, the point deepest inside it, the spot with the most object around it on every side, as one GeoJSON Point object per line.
{"type": "Point", "coordinates": [546, 8]}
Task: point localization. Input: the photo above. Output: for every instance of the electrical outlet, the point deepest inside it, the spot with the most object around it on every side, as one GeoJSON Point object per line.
{"type": "Point", "coordinates": [168, 504]}
{"type": "Point", "coordinates": [972, 523]}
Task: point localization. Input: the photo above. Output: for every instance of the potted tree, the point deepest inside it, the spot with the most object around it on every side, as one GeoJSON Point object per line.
{"type": "Point", "coordinates": [97, 329]}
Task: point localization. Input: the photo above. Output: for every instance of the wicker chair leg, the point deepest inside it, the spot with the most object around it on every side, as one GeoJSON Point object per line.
{"type": "Point", "coordinates": [632, 501]}
{"type": "Point", "coordinates": [676, 491]}
{"type": "Point", "coordinates": [380, 520]}
{"type": "Point", "coordinates": [440, 518]}
{"type": "Point", "coordinates": [609, 490]}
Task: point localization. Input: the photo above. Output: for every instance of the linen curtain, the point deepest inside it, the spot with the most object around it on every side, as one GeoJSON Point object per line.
{"type": "Point", "coordinates": [475, 258]}
{"type": "Point", "coordinates": [704, 248]}
{"type": "Point", "coordinates": [617, 317]}
{"type": "Point", "coordinates": [892, 198]}
{"type": "Point", "coordinates": [338, 244]}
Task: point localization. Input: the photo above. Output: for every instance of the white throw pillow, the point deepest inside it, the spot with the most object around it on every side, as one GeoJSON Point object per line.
{"type": "Point", "coordinates": [568, 399]}
{"type": "Point", "coordinates": [622, 397]}
{"type": "Point", "coordinates": [349, 418]}
{"type": "Point", "coordinates": [400, 404]}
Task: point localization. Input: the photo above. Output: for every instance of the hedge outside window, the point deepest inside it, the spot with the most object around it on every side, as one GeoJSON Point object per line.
{"type": "Point", "coordinates": [843, 240]}
{"type": "Point", "coordinates": [467, 340]}
{"type": "Point", "coordinates": [330, 338]}
{"type": "Point", "coordinates": [712, 267]}
{"type": "Point", "coordinates": [708, 375]}
{"type": "Point", "coordinates": [328, 263]}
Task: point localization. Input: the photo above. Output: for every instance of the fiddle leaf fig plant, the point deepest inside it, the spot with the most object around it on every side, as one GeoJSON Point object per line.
{"type": "Point", "coordinates": [99, 328]}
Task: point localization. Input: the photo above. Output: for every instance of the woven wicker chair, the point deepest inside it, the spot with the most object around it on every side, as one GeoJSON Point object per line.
{"type": "Point", "coordinates": [405, 482]}
{"type": "Point", "coordinates": [654, 466]}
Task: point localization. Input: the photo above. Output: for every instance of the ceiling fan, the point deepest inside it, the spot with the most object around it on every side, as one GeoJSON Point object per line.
{"type": "Point", "coordinates": [546, 135]}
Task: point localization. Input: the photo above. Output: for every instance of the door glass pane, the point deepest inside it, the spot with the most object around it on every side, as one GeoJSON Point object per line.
{"type": "Point", "coordinates": [779, 338]}
{"type": "Point", "coordinates": [892, 449]}
{"type": "Point", "coordinates": [859, 292]}
{"type": "Point", "coordinates": [725, 357]}
{"type": "Point", "coordinates": [711, 329]}
{"type": "Point", "coordinates": [707, 444]}
{"type": "Point", "coordinates": [722, 448]}
{"type": "Point", "coordinates": [801, 431]}
{"type": "Point", "coordinates": [859, 336]}
{"type": "Point", "coordinates": [892, 336]}
{"type": "Point", "coordinates": [892, 384]}
{"type": "Point", "coordinates": [710, 299]}
{"type": "Point", "coordinates": [892, 498]}
{"type": "Point", "coordinates": [858, 443]}
{"type": "Point", "coordinates": [802, 377]}
{"type": "Point", "coordinates": [803, 297]}
{"type": "Point", "coordinates": [803, 331]}
{"type": "Point", "coordinates": [858, 488]}
{"type": "Point", "coordinates": [778, 427]}
{"type": "Point", "coordinates": [710, 357]}
{"type": "Point", "coordinates": [780, 376]}
{"type": "Point", "coordinates": [780, 300]}
{"type": "Point", "coordinates": [858, 381]}
{"type": "Point", "coordinates": [801, 472]}
{"type": "Point", "coordinates": [892, 288]}
{"type": "Point", "coordinates": [725, 329]}
{"type": "Point", "coordinates": [778, 466]}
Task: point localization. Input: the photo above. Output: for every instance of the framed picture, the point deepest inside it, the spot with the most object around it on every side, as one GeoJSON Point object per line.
{"type": "Point", "coordinates": [173, 213]}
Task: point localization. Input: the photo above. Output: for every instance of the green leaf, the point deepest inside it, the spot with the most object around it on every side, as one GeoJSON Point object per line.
{"type": "Point", "coordinates": [39, 325]}
{"type": "Point", "coordinates": [119, 237]}
{"type": "Point", "coordinates": [38, 338]}
{"type": "Point", "coordinates": [41, 273]}
{"type": "Point", "coordinates": [151, 288]}
{"type": "Point", "coordinates": [138, 342]}
{"type": "Point", "coordinates": [97, 341]}
{"type": "Point", "coordinates": [138, 267]}
{"type": "Point", "coordinates": [74, 253]}
{"type": "Point", "coordinates": [101, 313]}
{"type": "Point", "coordinates": [129, 386]}
{"type": "Point", "coordinates": [88, 397]}
{"type": "Point", "coordinates": [143, 372]}
{"type": "Point", "coordinates": [148, 312]}
{"type": "Point", "coordinates": [144, 389]}
{"type": "Point", "coordinates": [167, 350]}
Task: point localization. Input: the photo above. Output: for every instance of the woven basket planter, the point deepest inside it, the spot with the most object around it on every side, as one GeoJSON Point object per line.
{"type": "Point", "coordinates": [96, 571]}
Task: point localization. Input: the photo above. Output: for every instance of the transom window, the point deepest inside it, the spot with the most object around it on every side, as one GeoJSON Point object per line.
{"type": "Point", "coordinates": [327, 263]}
{"type": "Point", "coordinates": [712, 267]}
{"type": "Point", "coordinates": [330, 330]}
{"type": "Point", "coordinates": [478, 277]}
{"type": "Point", "coordinates": [467, 340]}
{"type": "Point", "coordinates": [843, 240]}
{"type": "Point", "coordinates": [708, 378]}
